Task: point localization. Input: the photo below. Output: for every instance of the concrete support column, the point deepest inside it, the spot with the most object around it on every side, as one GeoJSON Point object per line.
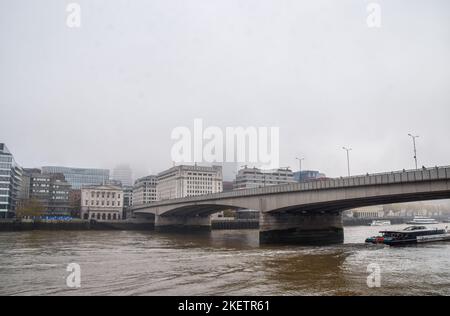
{"type": "Point", "coordinates": [182, 223]}
{"type": "Point", "coordinates": [301, 229]}
{"type": "Point", "coordinates": [145, 220]}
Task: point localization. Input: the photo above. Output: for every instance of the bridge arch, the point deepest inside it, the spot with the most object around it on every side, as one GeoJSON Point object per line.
{"type": "Point", "coordinates": [366, 199]}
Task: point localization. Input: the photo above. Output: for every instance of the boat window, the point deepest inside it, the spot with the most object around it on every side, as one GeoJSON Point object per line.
{"type": "Point", "coordinates": [410, 228]}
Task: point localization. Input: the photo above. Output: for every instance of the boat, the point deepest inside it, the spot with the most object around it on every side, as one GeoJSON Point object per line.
{"type": "Point", "coordinates": [380, 223]}
{"type": "Point", "coordinates": [375, 240]}
{"type": "Point", "coordinates": [410, 235]}
{"type": "Point", "coordinates": [422, 220]}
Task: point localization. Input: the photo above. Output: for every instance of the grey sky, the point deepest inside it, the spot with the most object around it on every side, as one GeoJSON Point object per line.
{"type": "Point", "coordinates": [113, 90]}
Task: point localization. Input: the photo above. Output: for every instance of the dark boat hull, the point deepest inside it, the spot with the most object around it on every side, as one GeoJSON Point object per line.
{"type": "Point", "coordinates": [417, 240]}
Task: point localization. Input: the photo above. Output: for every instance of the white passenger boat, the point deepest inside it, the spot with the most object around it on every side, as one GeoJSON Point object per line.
{"type": "Point", "coordinates": [422, 220]}
{"type": "Point", "coordinates": [410, 235]}
{"type": "Point", "coordinates": [380, 223]}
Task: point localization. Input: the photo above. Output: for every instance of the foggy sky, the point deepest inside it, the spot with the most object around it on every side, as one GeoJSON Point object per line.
{"type": "Point", "coordinates": [111, 91]}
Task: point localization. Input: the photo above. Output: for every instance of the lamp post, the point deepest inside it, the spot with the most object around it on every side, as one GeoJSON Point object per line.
{"type": "Point", "coordinates": [415, 148]}
{"type": "Point", "coordinates": [299, 168]}
{"type": "Point", "coordinates": [348, 158]}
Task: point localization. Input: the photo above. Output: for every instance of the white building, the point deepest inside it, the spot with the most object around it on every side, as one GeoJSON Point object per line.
{"type": "Point", "coordinates": [368, 212]}
{"type": "Point", "coordinates": [102, 202]}
{"type": "Point", "coordinates": [182, 181]}
{"type": "Point", "coordinates": [248, 178]}
{"type": "Point", "coordinates": [144, 190]}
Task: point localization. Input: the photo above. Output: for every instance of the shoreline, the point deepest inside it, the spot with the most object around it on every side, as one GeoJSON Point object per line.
{"type": "Point", "coordinates": [14, 225]}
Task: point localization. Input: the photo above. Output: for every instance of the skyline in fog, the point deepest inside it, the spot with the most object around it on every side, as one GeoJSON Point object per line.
{"type": "Point", "coordinates": [111, 92]}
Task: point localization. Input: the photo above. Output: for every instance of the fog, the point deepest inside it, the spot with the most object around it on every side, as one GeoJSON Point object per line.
{"type": "Point", "coordinates": [111, 91]}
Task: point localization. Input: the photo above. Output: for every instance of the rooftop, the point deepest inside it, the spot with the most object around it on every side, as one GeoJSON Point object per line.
{"type": "Point", "coordinates": [4, 150]}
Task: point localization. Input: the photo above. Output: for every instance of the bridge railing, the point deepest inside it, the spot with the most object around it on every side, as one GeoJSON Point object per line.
{"type": "Point", "coordinates": [404, 176]}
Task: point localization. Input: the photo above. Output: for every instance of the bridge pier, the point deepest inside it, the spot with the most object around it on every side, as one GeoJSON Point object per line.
{"type": "Point", "coordinates": [301, 229]}
{"type": "Point", "coordinates": [182, 223]}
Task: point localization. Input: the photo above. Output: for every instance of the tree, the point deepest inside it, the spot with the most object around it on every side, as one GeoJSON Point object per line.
{"type": "Point", "coordinates": [32, 207]}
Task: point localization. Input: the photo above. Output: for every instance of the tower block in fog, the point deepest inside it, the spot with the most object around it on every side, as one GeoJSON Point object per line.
{"type": "Point", "coordinates": [307, 212]}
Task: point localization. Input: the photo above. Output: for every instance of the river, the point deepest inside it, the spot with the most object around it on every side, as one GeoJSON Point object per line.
{"type": "Point", "coordinates": [218, 263]}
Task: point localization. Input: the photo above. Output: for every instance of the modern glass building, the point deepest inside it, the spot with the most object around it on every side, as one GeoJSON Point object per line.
{"type": "Point", "coordinates": [79, 177]}
{"type": "Point", "coordinates": [10, 182]}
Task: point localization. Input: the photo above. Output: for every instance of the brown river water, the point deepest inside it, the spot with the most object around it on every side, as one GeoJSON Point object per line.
{"type": "Point", "coordinates": [218, 263]}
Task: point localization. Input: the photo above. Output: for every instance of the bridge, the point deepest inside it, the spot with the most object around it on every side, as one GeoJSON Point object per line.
{"type": "Point", "coordinates": [307, 212]}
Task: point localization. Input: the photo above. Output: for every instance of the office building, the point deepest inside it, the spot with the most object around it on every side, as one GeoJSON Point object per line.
{"type": "Point", "coordinates": [79, 177]}
{"type": "Point", "coordinates": [307, 175]}
{"type": "Point", "coordinates": [10, 183]}
{"type": "Point", "coordinates": [75, 203]}
{"type": "Point", "coordinates": [368, 212]}
{"type": "Point", "coordinates": [127, 196]}
{"type": "Point", "coordinates": [127, 201]}
{"type": "Point", "coordinates": [51, 190]}
{"type": "Point", "coordinates": [24, 193]}
{"type": "Point", "coordinates": [144, 190]}
{"type": "Point", "coordinates": [248, 178]}
{"type": "Point", "coordinates": [124, 174]}
{"type": "Point", "coordinates": [184, 180]}
{"type": "Point", "coordinates": [227, 186]}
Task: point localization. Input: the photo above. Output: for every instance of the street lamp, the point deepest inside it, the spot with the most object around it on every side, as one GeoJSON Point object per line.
{"type": "Point", "coordinates": [414, 144]}
{"type": "Point", "coordinates": [299, 167]}
{"type": "Point", "coordinates": [348, 158]}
